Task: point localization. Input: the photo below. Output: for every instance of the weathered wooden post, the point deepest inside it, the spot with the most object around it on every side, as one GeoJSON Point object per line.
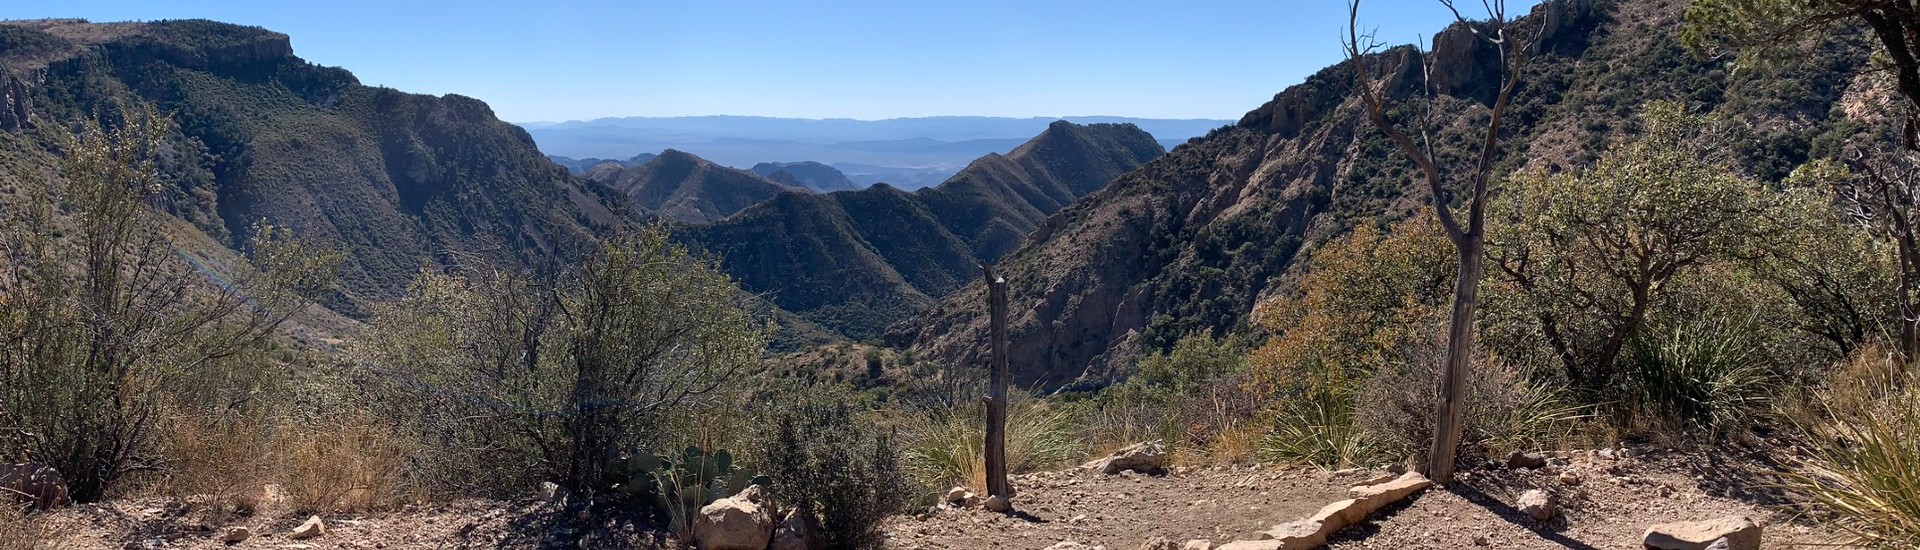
{"type": "Point", "coordinates": [997, 386]}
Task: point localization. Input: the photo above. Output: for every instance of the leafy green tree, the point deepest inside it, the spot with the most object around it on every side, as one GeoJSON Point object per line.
{"type": "Point", "coordinates": [1594, 251]}
{"type": "Point", "coordinates": [104, 316]}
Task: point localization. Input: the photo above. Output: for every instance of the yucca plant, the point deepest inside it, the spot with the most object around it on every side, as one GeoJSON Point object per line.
{"type": "Point", "coordinates": [1866, 468]}
{"type": "Point", "coordinates": [1704, 373]}
{"type": "Point", "coordinates": [947, 446]}
{"type": "Point", "coordinates": [1316, 424]}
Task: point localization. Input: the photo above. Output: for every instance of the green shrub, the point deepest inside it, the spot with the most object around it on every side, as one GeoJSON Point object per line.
{"type": "Point", "coordinates": [828, 464]}
{"type": "Point", "coordinates": [1314, 424]}
{"type": "Point", "coordinates": [510, 378]}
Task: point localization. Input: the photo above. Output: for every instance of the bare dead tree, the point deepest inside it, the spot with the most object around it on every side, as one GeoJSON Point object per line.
{"type": "Point", "coordinates": [1883, 195]}
{"type": "Point", "coordinates": [1468, 236]}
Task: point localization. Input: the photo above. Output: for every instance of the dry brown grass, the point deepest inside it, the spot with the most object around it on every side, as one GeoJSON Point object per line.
{"type": "Point", "coordinates": [19, 531]}
{"type": "Point", "coordinates": [223, 460]}
{"type": "Point", "coordinates": [341, 466]}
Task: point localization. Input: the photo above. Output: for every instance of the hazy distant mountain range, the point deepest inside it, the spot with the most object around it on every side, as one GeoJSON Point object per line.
{"type": "Point", "coordinates": [909, 153]}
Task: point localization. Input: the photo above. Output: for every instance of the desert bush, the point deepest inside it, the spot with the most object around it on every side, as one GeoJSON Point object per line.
{"type": "Point", "coordinates": [106, 318]}
{"type": "Point", "coordinates": [225, 459]}
{"type": "Point", "coordinates": [946, 446]}
{"type": "Point", "coordinates": [1865, 471]}
{"type": "Point", "coordinates": [348, 465]}
{"type": "Point", "coordinates": [829, 464]}
{"type": "Point", "coordinates": [507, 377]}
{"type": "Point", "coordinates": [1508, 407]}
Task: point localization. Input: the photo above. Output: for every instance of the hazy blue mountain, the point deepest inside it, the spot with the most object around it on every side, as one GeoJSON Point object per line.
{"type": "Point", "coordinates": [909, 153]}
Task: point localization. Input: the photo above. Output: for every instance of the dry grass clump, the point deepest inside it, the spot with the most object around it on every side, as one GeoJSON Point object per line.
{"type": "Point", "coordinates": [946, 447]}
{"type": "Point", "coordinates": [1866, 466]}
{"type": "Point", "coordinates": [18, 531]}
{"type": "Point", "coordinates": [224, 460]}
{"type": "Point", "coordinates": [345, 465]}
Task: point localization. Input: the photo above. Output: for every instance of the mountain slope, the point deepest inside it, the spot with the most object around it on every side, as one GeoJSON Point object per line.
{"type": "Point", "coordinates": [683, 187]}
{"type": "Point", "coordinates": [398, 179]}
{"type": "Point", "coordinates": [858, 261]}
{"type": "Point", "coordinates": [581, 166]}
{"type": "Point", "coordinates": [808, 174]}
{"type": "Point", "coordinates": [1193, 240]}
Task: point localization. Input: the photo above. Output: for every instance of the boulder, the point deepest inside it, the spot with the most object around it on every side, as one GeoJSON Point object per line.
{"type": "Point", "coordinates": [1536, 504]}
{"type": "Point", "coordinates": [1159, 543]}
{"type": "Point", "coordinates": [1739, 532]}
{"type": "Point", "coordinates": [236, 535]}
{"type": "Point", "coordinates": [797, 532]}
{"type": "Point", "coordinates": [1146, 458]}
{"type": "Point", "coordinates": [738, 522]}
{"type": "Point", "coordinates": [313, 527]}
{"type": "Point", "coordinates": [36, 486]}
{"type": "Point", "coordinates": [1197, 544]}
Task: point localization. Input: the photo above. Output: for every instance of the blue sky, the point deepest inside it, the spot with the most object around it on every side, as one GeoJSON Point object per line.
{"type": "Point", "coordinates": [559, 60]}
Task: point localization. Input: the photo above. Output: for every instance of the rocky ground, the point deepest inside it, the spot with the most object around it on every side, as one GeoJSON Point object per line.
{"type": "Point", "coordinates": [1604, 501]}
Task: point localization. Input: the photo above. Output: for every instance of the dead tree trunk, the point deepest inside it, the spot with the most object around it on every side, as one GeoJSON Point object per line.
{"type": "Point", "coordinates": [997, 386]}
{"type": "Point", "coordinates": [1468, 236]}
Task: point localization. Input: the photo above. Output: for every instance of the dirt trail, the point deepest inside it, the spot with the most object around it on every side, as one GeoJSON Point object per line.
{"type": "Point", "coordinates": [1608, 504]}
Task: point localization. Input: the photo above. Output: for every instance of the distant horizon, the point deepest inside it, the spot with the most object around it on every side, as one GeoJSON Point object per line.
{"type": "Point", "coordinates": [582, 60]}
{"type": "Point", "coordinates": [881, 119]}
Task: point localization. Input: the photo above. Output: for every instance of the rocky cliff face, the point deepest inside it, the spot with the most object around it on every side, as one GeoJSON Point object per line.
{"type": "Point", "coordinates": [1191, 241]}
{"type": "Point", "coordinates": [397, 179]}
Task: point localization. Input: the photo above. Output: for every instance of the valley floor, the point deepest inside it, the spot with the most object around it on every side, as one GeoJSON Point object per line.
{"type": "Point", "coordinates": [1605, 503]}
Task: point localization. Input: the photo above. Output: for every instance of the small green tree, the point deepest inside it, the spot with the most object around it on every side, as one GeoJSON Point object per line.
{"type": "Point", "coordinates": [1593, 251]}
{"type": "Point", "coordinates": [103, 316]}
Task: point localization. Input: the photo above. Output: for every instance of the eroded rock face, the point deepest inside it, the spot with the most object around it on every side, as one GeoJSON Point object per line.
{"type": "Point", "coordinates": [738, 522]}
{"type": "Point", "coordinates": [1738, 533]}
{"type": "Point", "coordinates": [37, 486]}
{"type": "Point", "coordinates": [16, 105]}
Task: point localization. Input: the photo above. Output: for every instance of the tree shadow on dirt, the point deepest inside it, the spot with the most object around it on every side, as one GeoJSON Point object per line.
{"type": "Point", "coordinates": [1553, 531]}
{"type": "Point", "coordinates": [572, 526]}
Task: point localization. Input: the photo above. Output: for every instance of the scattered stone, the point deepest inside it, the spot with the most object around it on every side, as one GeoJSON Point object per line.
{"type": "Point", "coordinates": [1569, 478]}
{"type": "Point", "coordinates": [734, 523]}
{"type": "Point", "coordinates": [236, 535]}
{"type": "Point", "coordinates": [312, 528]}
{"type": "Point", "coordinates": [1345, 472]}
{"type": "Point", "coordinates": [1379, 479]}
{"type": "Point", "coordinates": [1739, 532]}
{"type": "Point", "coordinates": [1197, 544]}
{"type": "Point", "coordinates": [1526, 460]}
{"type": "Point", "coordinates": [1148, 458]}
{"type": "Point", "coordinates": [1537, 504]}
{"type": "Point", "coordinates": [958, 496]}
{"type": "Point", "coordinates": [551, 492]}
{"type": "Point", "coordinates": [997, 503]}
{"type": "Point", "coordinates": [1071, 545]}
{"type": "Point", "coordinates": [1159, 543]}
{"type": "Point", "coordinates": [1313, 531]}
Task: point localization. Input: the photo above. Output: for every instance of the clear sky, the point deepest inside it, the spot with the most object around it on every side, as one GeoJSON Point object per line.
{"type": "Point", "coordinates": [560, 60]}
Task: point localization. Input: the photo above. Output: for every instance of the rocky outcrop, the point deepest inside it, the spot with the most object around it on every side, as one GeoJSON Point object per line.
{"type": "Point", "coordinates": [16, 103]}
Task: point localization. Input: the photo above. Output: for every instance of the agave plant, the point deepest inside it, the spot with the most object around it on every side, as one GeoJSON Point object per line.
{"type": "Point", "coordinates": [680, 487]}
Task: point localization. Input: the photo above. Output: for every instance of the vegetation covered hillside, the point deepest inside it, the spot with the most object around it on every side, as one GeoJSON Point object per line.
{"type": "Point", "coordinates": [396, 179]}
{"type": "Point", "coordinates": [858, 261]}
{"type": "Point", "coordinates": [1192, 241]}
{"type": "Point", "coordinates": [680, 186]}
